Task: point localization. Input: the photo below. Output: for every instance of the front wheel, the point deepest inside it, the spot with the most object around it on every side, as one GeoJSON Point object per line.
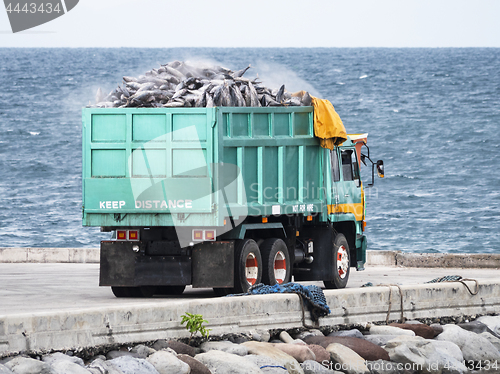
{"type": "Point", "coordinates": [340, 263]}
{"type": "Point", "coordinates": [247, 265]}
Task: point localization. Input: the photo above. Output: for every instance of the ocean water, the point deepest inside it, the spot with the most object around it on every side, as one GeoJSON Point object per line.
{"type": "Point", "coordinates": [433, 116]}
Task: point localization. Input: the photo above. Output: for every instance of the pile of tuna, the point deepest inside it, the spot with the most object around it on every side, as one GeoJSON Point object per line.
{"type": "Point", "coordinates": [179, 84]}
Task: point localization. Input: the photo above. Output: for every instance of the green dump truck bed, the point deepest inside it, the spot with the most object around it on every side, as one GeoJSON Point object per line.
{"type": "Point", "coordinates": [145, 167]}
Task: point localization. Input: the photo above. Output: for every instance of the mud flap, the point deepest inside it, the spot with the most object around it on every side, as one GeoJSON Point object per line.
{"type": "Point", "coordinates": [213, 264]}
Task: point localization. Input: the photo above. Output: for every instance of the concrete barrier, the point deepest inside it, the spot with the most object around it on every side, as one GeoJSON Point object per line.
{"type": "Point", "coordinates": [373, 258]}
{"type": "Point", "coordinates": [160, 318]}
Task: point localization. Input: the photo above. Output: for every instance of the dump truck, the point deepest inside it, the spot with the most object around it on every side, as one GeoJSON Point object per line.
{"type": "Point", "coordinates": [223, 198]}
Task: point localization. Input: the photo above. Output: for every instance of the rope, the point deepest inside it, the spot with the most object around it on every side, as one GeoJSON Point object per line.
{"type": "Point", "coordinates": [457, 278]}
{"type": "Point", "coordinates": [402, 317]}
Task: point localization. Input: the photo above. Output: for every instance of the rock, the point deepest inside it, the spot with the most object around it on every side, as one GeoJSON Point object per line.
{"type": "Point", "coordinates": [226, 363]}
{"type": "Point", "coordinates": [438, 328]}
{"type": "Point", "coordinates": [26, 365]}
{"type": "Point", "coordinates": [354, 333]}
{"type": "Point", "coordinates": [238, 338]}
{"type": "Point", "coordinates": [419, 329]}
{"type": "Point", "coordinates": [132, 365]}
{"type": "Point", "coordinates": [178, 347]}
{"type": "Point", "coordinates": [362, 347]}
{"type": "Point", "coordinates": [428, 356]}
{"type": "Point", "coordinates": [224, 346]}
{"type": "Point", "coordinates": [301, 335]}
{"type": "Point", "coordinates": [66, 366]}
{"type": "Point", "coordinates": [5, 370]}
{"type": "Point", "coordinates": [266, 364]}
{"type": "Point", "coordinates": [102, 357]}
{"type": "Point", "coordinates": [493, 322]}
{"type": "Point", "coordinates": [493, 340]}
{"type": "Point", "coordinates": [382, 367]}
{"type": "Point", "coordinates": [314, 367]}
{"type": "Point", "coordinates": [196, 366]}
{"type": "Point", "coordinates": [143, 350]}
{"type": "Point", "coordinates": [99, 366]}
{"type": "Point", "coordinates": [115, 354]}
{"type": "Point", "coordinates": [473, 346]}
{"type": "Point", "coordinates": [269, 350]}
{"type": "Point", "coordinates": [412, 322]}
{"type": "Point", "coordinates": [346, 359]}
{"type": "Point", "coordinates": [58, 356]}
{"type": "Point", "coordinates": [285, 337]}
{"type": "Point", "coordinates": [299, 352]}
{"type": "Point", "coordinates": [264, 334]}
{"type": "Point", "coordinates": [380, 340]}
{"type": "Point", "coordinates": [321, 354]}
{"type": "Point", "coordinates": [166, 363]}
{"type": "Point", "coordinates": [389, 330]}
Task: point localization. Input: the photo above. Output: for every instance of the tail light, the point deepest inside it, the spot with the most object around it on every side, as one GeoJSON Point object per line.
{"type": "Point", "coordinates": [204, 235]}
{"type": "Point", "coordinates": [132, 235]}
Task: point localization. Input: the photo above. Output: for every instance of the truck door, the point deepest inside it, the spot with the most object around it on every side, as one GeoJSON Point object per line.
{"type": "Point", "coordinates": [351, 198]}
{"type": "Point", "coordinates": [346, 182]}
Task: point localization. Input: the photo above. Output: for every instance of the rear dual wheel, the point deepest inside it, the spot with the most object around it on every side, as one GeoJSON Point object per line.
{"type": "Point", "coordinates": [276, 262]}
{"type": "Point", "coordinates": [247, 265]}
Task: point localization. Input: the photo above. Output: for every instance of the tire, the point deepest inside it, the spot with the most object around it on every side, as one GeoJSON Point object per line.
{"type": "Point", "coordinates": [170, 290]}
{"type": "Point", "coordinates": [341, 263]}
{"type": "Point", "coordinates": [143, 291]}
{"type": "Point", "coordinates": [121, 291]}
{"type": "Point", "coordinates": [247, 265]}
{"type": "Point", "coordinates": [276, 267]}
{"type": "Point", "coordinates": [220, 291]}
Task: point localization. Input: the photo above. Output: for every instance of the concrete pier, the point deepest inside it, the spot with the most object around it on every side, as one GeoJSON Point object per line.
{"type": "Point", "coordinates": [58, 305]}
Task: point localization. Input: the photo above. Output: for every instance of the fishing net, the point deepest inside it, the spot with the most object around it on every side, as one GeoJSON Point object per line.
{"type": "Point", "coordinates": [312, 296]}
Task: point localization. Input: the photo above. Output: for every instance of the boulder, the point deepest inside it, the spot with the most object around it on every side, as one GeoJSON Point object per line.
{"type": "Point", "coordinates": [266, 364]}
{"type": "Point", "coordinates": [260, 335]}
{"type": "Point", "coordinates": [321, 354]}
{"type": "Point", "coordinates": [438, 328]}
{"type": "Point", "coordinates": [100, 366]}
{"type": "Point", "coordinates": [196, 366]}
{"type": "Point", "coordinates": [427, 356]}
{"type": "Point", "coordinates": [473, 346]}
{"type": "Point", "coordinates": [389, 330]}
{"type": "Point", "coordinates": [301, 335]}
{"type": "Point", "coordinates": [269, 350]}
{"type": "Point", "coordinates": [314, 367]}
{"type": "Point", "coordinates": [299, 352]}
{"type": "Point", "coordinates": [178, 347]}
{"type": "Point", "coordinates": [414, 322]}
{"type": "Point", "coordinates": [143, 350]}
{"type": "Point", "coordinates": [227, 363]}
{"type": "Point", "coordinates": [493, 322]}
{"type": "Point", "coordinates": [362, 347]}
{"type": "Point", "coordinates": [493, 340]}
{"type": "Point", "coordinates": [58, 356]}
{"type": "Point", "coordinates": [132, 365]}
{"type": "Point", "coordinates": [354, 333]}
{"type": "Point", "coordinates": [5, 370]}
{"type": "Point", "coordinates": [168, 363]}
{"type": "Point", "coordinates": [26, 365]}
{"type": "Point", "coordinates": [115, 354]}
{"type": "Point", "coordinates": [224, 346]}
{"type": "Point", "coordinates": [285, 337]}
{"type": "Point", "coordinates": [380, 340]}
{"type": "Point", "coordinates": [346, 359]}
{"type": "Point", "coordinates": [65, 366]}
{"type": "Point", "coordinates": [420, 329]}
{"type": "Point", "coordinates": [382, 367]}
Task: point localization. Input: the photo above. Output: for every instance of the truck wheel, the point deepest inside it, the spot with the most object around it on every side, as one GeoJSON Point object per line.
{"type": "Point", "coordinates": [247, 265]}
{"type": "Point", "coordinates": [276, 262]}
{"type": "Point", "coordinates": [121, 291]}
{"type": "Point", "coordinates": [340, 263]}
{"type": "Point", "coordinates": [170, 290]}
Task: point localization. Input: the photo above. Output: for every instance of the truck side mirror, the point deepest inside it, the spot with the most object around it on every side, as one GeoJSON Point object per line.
{"type": "Point", "coordinates": [380, 168]}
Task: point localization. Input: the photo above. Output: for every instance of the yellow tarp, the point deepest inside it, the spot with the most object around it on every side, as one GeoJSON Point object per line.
{"type": "Point", "coordinates": [328, 126]}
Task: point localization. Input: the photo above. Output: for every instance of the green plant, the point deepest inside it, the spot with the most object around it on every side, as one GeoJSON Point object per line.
{"type": "Point", "coordinates": [194, 324]}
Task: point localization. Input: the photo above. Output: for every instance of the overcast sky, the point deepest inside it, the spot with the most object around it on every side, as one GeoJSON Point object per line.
{"type": "Point", "coordinates": [266, 23]}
